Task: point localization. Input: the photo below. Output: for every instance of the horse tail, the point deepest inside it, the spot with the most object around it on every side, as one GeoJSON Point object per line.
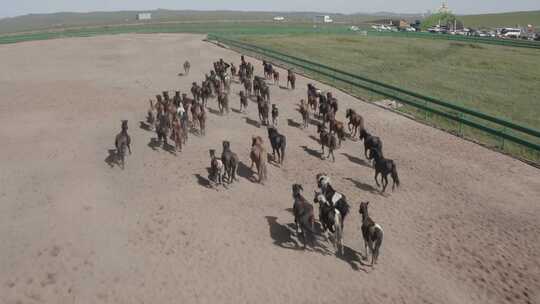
{"type": "Point", "coordinates": [395, 174]}
{"type": "Point", "coordinates": [378, 238]}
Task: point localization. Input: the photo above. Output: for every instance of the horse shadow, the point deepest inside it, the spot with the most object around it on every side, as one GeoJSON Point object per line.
{"type": "Point", "coordinates": [145, 126]}
{"type": "Point", "coordinates": [364, 187]}
{"type": "Point", "coordinates": [180, 74]}
{"type": "Point", "coordinates": [313, 122]}
{"type": "Point", "coordinates": [244, 171]}
{"type": "Point", "coordinates": [281, 234]}
{"type": "Point", "coordinates": [154, 144]}
{"type": "Point", "coordinates": [203, 181]}
{"type": "Point", "coordinates": [214, 111]}
{"type": "Point", "coordinates": [283, 87]}
{"type": "Point", "coordinates": [312, 152]}
{"type": "Point", "coordinates": [351, 256]}
{"type": "Point", "coordinates": [169, 148]}
{"type": "Point", "coordinates": [318, 140]}
{"type": "Point", "coordinates": [236, 111]}
{"type": "Point", "coordinates": [356, 160]}
{"type": "Point", "coordinates": [293, 123]}
{"type": "Point", "coordinates": [112, 158]}
{"type": "Point", "coordinates": [252, 122]}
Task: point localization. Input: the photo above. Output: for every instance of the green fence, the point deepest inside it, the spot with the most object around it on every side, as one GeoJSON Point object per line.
{"type": "Point", "coordinates": [507, 136]}
{"type": "Point", "coordinates": [251, 28]}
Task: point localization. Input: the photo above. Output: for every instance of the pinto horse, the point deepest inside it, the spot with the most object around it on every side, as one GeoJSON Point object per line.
{"type": "Point", "coordinates": [336, 199]}
{"type": "Point", "coordinates": [371, 232]}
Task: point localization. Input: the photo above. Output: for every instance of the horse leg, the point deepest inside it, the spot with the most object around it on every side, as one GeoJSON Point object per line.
{"type": "Point", "coordinates": [384, 181]}
{"type": "Point", "coordinates": [376, 181]}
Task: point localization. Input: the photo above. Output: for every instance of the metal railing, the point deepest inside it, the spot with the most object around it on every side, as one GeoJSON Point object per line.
{"type": "Point", "coordinates": [527, 139]}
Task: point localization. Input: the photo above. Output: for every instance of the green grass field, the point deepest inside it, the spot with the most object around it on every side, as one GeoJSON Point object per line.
{"type": "Point", "coordinates": [503, 20]}
{"type": "Point", "coordinates": [501, 81]}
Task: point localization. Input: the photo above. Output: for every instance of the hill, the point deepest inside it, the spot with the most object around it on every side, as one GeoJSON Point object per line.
{"type": "Point", "coordinates": [503, 19]}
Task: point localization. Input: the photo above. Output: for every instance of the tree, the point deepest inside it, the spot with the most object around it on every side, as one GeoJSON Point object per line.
{"type": "Point", "coordinates": [445, 19]}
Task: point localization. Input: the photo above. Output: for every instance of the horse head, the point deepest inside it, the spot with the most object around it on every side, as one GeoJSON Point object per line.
{"type": "Point", "coordinates": [363, 210]}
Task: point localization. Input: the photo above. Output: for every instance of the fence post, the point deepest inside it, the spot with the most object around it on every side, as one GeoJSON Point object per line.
{"type": "Point", "coordinates": [502, 138]}
{"type": "Point", "coordinates": [425, 111]}
{"type": "Point", "coordinates": [460, 124]}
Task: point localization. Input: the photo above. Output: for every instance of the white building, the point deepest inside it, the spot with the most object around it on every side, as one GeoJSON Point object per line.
{"type": "Point", "coordinates": [144, 16]}
{"type": "Point", "coordinates": [279, 18]}
{"type": "Point", "coordinates": [322, 19]}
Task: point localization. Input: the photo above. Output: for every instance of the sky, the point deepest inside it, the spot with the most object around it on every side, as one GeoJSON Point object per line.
{"type": "Point", "coordinates": [10, 8]}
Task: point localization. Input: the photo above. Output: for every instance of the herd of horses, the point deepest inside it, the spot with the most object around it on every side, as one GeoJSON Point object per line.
{"type": "Point", "coordinates": [174, 118]}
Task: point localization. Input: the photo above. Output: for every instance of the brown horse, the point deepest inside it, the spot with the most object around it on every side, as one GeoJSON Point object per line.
{"type": "Point", "coordinates": [338, 127]}
{"type": "Point", "coordinates": [187, 67]}
{"type": "Point", "coordinates": [327, 139]}
{"type": "Point", "coordinates": [313, 103]}
{"type": "Point", "coordinates": [199, 117]}
{"type": "Point", "coordinates": [243, 102]}
{"type": "Point", "coordinates": [259, 158]}
{"type": "Point", "coordinates": [263, 108]}
{"type": "Point", "coordinates": [223, 103]}
{"type": "Point", "coordinates": [304, 111]}
{"type": "Point", "coordinates": [276, 77]}
{"type": "Point", "coordinates": [122, 143]}
{"type": "Point", "coordinates": [291, 78]}
{"type": "Point", "coordinates": [356, 121]}
{"type": "Point", "coordinates": [176, 134]}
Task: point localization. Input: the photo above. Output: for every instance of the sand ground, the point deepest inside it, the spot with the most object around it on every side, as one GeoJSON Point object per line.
{"type": "Point", "coordinates": [463, 228]}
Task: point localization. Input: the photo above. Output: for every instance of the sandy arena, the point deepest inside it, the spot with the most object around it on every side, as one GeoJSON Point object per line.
{"type": "Point", "coordinates": [463, 228]}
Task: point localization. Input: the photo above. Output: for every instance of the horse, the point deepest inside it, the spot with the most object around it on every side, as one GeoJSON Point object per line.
{"type": "Point", "coordinates": [227, 82]}
{"type": "Point", "coordinates": [122, 142]}
{"type": "Point", "coordinates": [230, 162]}
{"type": "Point", "coordinates": [370, 142]}
{"type": "Point", "coordinates": [199, 116]}
{"type": "Point", "coordinates": [265, 92]}
{"type": "Point", "coordinates": [258, 157]}
{"type": "Point", "coordinates": [243, 101]}
{"type": "Point", "coordinates": [206, 92]}
{"type": "Point", "coordinates": [276, 77]}
{"type": "Point", "coordinates": [176, 134]}
{"type": "Point", "coordinates": [291, 78]}
{"type": "Point", "coordinates": [162, 128]}
{"type": "Point", "coordinates": [258, 83]}
{"type": "Point", "coordinates": [371, 232]}
{"type": "Point", "coordinates": [275, 114]}
{"type": "Point", "coordinates": [356, 121]}
{"type": "Point", "coordinates": [223, 103]}
{"type": "Point", "coordinates": [248, 86]}
{"type": "Point", "coordinates": [187, 67]}
{"type": "Point", "coordinates": [278, 143]}
{"type": "Point", "coordinates": [216, 168]}
{"type": "Point", "coordinates": [195, 91]}
{"type": "Point", "coordinates": [335, 198]}
{"type": "Point", "coordinates": [304, 216]}
{"type": "Point", "coordinates": [384, 167]}
{"type": "Point", "coordinates": [304, 111]}
{"type": "Point", "coordinates": [327, 139]}
{"type": "Point", "coordinates": [337, 127]}
{"type": "Point", "coordinates": [263, 110]}
{"type": "Point", "coordinates": [233, 70]}
{"type": "Point", "coordinates": [151, 116]}
{"type": "Point", "coordinates": [331, 220]}
{"type": "Point", "coordinates": [313, 103]}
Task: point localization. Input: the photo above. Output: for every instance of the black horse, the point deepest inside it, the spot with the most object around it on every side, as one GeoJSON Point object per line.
{"type": "Point", "coordinates": [279, 143]}
{"type": "Point", "coordinates": [384, 167]}
{"type": "Point", "coordinates": [371, 143]}
{"type": "Point", "coordinates": [230, 162]}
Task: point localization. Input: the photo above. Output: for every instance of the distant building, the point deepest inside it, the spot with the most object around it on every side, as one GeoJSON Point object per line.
{"type": "Point", "coordinates": [144, 16]}
{"type": "Point", "coordinates": [322, 19]}
{"type": "Point", "coordinates": [444, 8]}
{"type": "Point", "coordinates": [279, 18]}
